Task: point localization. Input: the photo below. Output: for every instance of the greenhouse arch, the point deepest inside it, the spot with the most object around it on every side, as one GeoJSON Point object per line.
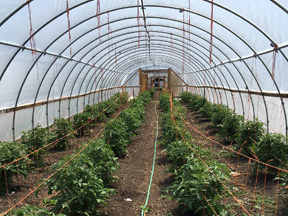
{"type": "Point", "coordinates": [55, 50]}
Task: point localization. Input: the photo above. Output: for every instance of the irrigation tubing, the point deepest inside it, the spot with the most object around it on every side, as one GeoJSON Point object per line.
{"type": "Point", "coordinates": [153, 165]}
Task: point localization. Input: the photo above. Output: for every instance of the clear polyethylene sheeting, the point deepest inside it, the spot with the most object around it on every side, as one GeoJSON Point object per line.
{"type": "Point", "coordinates": [52, 54]}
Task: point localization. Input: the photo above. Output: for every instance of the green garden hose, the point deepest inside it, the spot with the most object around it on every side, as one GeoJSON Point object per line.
{"type": "Point", "coordinates": [153, 165]}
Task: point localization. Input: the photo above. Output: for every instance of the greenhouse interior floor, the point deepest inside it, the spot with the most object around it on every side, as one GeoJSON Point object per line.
{"type": "Point", "coordinates": [135, 170]}
{"type": "Point", "coordinates": [134, 175]}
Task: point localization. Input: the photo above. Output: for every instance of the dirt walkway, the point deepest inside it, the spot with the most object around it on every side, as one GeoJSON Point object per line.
{"type": "Point", "coordinates": [134, 175]}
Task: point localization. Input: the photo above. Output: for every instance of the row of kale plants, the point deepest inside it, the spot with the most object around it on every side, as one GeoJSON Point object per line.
{"type": "Point", "coordinates": [85, 183]}
{"type": "Point", "coordinates": [248, 137]}
{"type": "Point", "coordinates": [196, 186]}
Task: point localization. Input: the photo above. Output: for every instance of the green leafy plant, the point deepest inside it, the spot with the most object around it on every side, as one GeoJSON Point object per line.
{"type": "Point", "coordinates": [103, 158]}
{"type": "Point", "coordinates": [207, 109]}
{"type": "Point", "coordinates": [118, 132]}
{"type": "Point", "coordinates": [274, 147]}
{"type": "Point", "coordinates": [283, 177]}
{"type": "Point", "coordinates": [35, 139]}
{"type": "Point", "coordinates": [140, 106]}
{"type": "Point", "coordinates": [172, 130]}
{"type": "Point", "coordinates": [195, 102]}
{"type": "Point", "coordinates": [152, 92]}
{"type": "Point", "coordinates": [96, 112]}
{"type": "Point", "coordinates": [123, 97]}
{"type": "Point", "coordinates": [199, 103]}
{"type": "Point", "coordinates": [9, 152]}
{"type": "Point", "coordinates": [145, 97]}
{"type": "Point", "coordinates": [32, 210]}
{"type": "Point", "coordinates": [132, 118]}
{"type": "Point", "coordinates": [80, 122]}
{"type": "Point", "coordinates": [63, 131]}
{"type": "Point", "coordinates": [117, 136]}
{"type": "Point", "coordinates": [145, 209]}
{"type": "Point", "coordinates": [178, 152]}
{"type": "Point", "coordinates": [194, 180]}
{"type": "Point", "coordinates": [249, 135]}
{"type": "Point", "coordinates": [219, 115]}
{"type": "Point", "coordinates": [230, 126]}
{"type": "Point", "coordinates": [109, 106]}
{"type": "Point", "coordinates": [186, 97]}
{"type": "Point", "coordinates": [164, 101]}
{"type": "Point", "coordinates": [78, 187]}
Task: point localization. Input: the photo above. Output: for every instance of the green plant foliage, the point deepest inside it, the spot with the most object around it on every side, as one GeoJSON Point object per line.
{"type": "Point", "coordinates": [199, 103]}
{"type": "Point", "coordinates": [219, 115]}
{"type": "Point", "coordinates": [105, 109]}
{"type": "Point", "coordinates": [32, 210]}
{"type": "Point", "coordinates": [35, 139]}
{"type": "Point", "coordinates": [145, 97]}
{"type": "Point", "coordinates": [172, 131]}
{"type": "Point", "coordinates": [164, 101]}
{"type": "Point", "coordinates": [78, 187]}
{"type": "Point", "coordinates": [80, 121]}
{"type": "Point", "coordinates": [207, 109]}
{"type": "Point", "coordinates": [9, 152]}
{"type": "Point", "coordinates": [123, 97]}
{"type": "Point", "coordinates": [230, 126]}
{"type": "Point", "coordinates": [195, 102]}
{"type": "Point", "coordinates": [140, 107]}
{"type": "Point", "coordinates": [193, 180]}
{"type": "Point", "coordinates": [111, 107]}
{"type": "Point", "coordinates": [178, 152]}
{"type": "Point", "coordinates": [63, 127]}
{"type": "Point", "coordinates": [103, 158]}
{"type": "Point", "coordinates": [272, 146]}
{"type": "Point", "coordinates": [117, 136]}
{"type": "Point", "coordinates": [96, 112]}
{"type": "Point", "coordinates": [132, 118]}
{"type": "Point", "coordinates": [251, 132]}
{"type": "Point", "coordinates": [152, 92]}
{"type": "Point", "coordinates": [186, 97]}
{"type": "Point", "coordinates": [118, 131]}
{"type": "Point", "coordinates": [283, 177]}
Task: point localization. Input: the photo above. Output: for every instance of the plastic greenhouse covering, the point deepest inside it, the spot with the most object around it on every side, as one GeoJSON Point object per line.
{"type": "Point", "coordinates": [57, 56]}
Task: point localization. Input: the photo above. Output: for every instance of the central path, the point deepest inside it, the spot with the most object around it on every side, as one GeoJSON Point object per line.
{"type": "Point", "coordinates": [135, 171]}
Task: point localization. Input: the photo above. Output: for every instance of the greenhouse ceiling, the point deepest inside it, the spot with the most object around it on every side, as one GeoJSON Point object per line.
{"type": "Point", "coordinates": [56, 53]}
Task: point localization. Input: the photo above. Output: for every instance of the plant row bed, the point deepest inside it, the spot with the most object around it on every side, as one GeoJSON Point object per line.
{"type": "Point", "coordinates": [193, 182]}
{"type": "Point", "coordinates": [84, 184]}
{"type": "Point", "coordinates": [258, 190]}
{"type": "Point", "coordinates": [247, 137]}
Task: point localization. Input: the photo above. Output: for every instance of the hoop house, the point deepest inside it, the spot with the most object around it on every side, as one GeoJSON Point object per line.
{"type": "Point", "coordinates": [59, 56]}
